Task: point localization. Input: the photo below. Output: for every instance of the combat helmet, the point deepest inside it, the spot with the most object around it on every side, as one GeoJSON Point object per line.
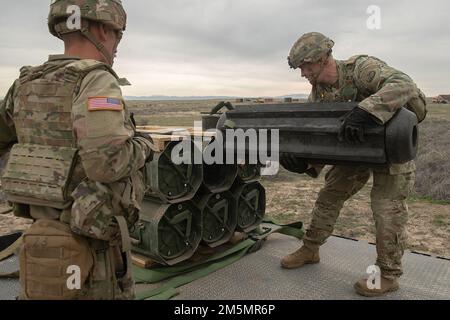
{"type": "Point", "coordinates": [108, 12]}
{"type": "Point", "coordinates": [310, 47]}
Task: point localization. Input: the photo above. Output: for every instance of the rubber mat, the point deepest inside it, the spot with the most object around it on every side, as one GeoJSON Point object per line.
{"type": "Point", "coordinates": [258, 276]}
{"type": "Point", "coordinates": [9, 288]}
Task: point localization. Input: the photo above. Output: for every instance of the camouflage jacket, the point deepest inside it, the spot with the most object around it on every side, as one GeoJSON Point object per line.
{"type": "Point", "coordinates": [105, 138]}
{"type": "Point", "coordinates": [380, 89]}
{"type": "Point", "coordinates": [95, 121]}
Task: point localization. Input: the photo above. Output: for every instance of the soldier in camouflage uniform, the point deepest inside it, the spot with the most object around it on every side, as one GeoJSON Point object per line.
{"type": "Point", "coordinates": [75, 161]}
{"type": "Point", "coordinates": [381, 91]}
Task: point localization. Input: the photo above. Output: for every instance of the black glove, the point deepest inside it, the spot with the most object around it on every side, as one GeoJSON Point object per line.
{"type": "Point", "coordinates": [292, 163]}
{"type": "Point", "coordinates": [352, 128]}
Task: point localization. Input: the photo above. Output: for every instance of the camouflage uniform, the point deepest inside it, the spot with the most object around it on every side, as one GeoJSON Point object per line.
{"type": "Point", "coordinates": [381, 91]}
{"type": "Point", "coordinates": [75, 168]}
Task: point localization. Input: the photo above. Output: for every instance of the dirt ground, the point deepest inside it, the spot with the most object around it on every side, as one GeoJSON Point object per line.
{"type": "Point", "coordinates": [291, 197]}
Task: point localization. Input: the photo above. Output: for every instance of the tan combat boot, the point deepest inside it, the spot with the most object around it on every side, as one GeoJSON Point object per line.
{"type": "Point", "coordinates": [386, 285]}
{"type": "Point", "coordinates": [299, 258]}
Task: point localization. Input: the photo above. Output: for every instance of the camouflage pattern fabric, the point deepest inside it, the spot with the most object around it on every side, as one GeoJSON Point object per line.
{"type": "Point", "coordinates": [310, 47]}
{"type": "Point", "coordinates": [381, 91]}
{"type": "Point", "coordinates": [96, 205]}
{"type": "Point", "coordinates": [7, 130]}
{"type": "Point", "coordinates": [109, 12]}
{"type": "Point", "coordinates": [106, 12]}
{"type": "Point", "coordinates": [69, 102]}
{"type": "Point", "coordinates": [388, 202]}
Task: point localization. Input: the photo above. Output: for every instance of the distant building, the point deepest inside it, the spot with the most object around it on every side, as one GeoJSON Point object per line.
{"type": "Point", "coordinates": [442, 98]}
{"type": "Point", "coordinates": [288, 100]}
{"type": "Point", "coordinates": [239, 100]}
{"type": "Point", "coordinates": [266, 100]}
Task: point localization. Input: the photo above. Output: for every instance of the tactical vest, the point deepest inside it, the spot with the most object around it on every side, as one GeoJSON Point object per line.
{"type": "Point", "coordinates": [348, 90]}
{"type": "Point", "coordinates": [44, 166]}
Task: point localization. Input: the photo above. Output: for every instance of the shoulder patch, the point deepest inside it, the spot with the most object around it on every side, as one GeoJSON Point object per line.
{"type": "Point", "coordinates": [368, 76]}
{"type": "Point", "coordinates": [104, 104]}
{"type": "Point", "coordinates": [353, 59]}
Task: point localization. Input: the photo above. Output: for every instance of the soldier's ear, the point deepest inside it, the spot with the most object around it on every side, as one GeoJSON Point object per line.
{"type": "Point", "coordinates": [104, 30]}
{"type": "Point", "coordinates": [328, 58]}
{"type": "Point", "coordinates": [99, 30]}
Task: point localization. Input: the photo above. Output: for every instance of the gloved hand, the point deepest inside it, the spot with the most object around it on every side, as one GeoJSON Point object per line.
{"type": "Point", "coordinates": [292, 163]}
{"type": "Point", "coordinates": [352, 128]}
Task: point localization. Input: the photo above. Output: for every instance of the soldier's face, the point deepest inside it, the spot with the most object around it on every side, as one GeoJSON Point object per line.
{"type": "Point", "coordinates": [310, 71]}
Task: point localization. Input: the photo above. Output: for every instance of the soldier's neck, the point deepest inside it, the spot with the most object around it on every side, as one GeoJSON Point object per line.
{"type": "Point", "coordinates": [329, 75]}
{"type": "Point", "coordinates": [84, 51]}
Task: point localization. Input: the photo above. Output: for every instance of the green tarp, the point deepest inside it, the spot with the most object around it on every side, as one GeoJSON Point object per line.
{"type": "Point", "coordinates": [187, 272]}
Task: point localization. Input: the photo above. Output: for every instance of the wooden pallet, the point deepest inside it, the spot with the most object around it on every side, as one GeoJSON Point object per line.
{"type": "Point", "coordinates": [173, 130]}
{"type": "Point", "coordinates": [200, 254]}
{"type": "Point", "coordinates": [163, 135]}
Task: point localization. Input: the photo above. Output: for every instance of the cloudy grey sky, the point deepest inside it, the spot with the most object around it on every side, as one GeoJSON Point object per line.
{"type": "Point", "coordinates": [239, 47]}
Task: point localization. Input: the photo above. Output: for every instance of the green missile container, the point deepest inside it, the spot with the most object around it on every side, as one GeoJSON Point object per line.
{"type": "Point", "coordinates": [173, 183]}
{"type": "Point", "coordinates": [249, 173]}
{"type": "Point", "coordinates": [219, 216]}
{"type": "Point", "coordinates": [218, 177]}
{"type": "Point", "coordinates": [251, 205]}
{"type": "Point", "coordinates": [167, 233]}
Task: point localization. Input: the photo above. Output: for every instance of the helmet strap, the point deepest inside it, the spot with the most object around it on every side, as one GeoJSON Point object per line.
{"type": "Point", "coordinates": [100, 47]}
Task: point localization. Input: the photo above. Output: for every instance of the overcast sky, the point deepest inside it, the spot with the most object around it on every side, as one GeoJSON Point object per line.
{"type": "Point", "coordinates": [239, 47]}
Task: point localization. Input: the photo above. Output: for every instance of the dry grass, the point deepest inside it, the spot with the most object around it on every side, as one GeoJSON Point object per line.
{"type": "Point", "coordinates": [433, 160]}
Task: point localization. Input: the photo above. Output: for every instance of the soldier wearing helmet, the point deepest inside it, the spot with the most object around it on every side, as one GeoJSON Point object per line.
{"type": "Point", "coordinates": [109, 14]}
{"type": "Point", "coordinates": [313, 50]}
{"type": "Point", "coordinates": [75, 163]}
{"type": "Point", "coordinates": [380, 90]}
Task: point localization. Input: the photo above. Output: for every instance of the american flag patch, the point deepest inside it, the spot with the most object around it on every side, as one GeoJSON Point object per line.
{"type": "Point", "coordinates": [104, 104]}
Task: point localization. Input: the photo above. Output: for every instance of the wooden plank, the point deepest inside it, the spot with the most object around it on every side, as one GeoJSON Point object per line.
{"type": "Point", "coordinates": [237, 237]}
{"type": "Point", "coordinates": [161, 141]}
{"type": "Point", "coordinates": [164, 129]}
{"type": "Point", "coordinates": [142, 261]}
{"type": "Point", "coordinates": [170, 130]}
{"type": "Point", "coordinates": [202, 252]}
{"type": "Point", "coordinates": [162, 135]}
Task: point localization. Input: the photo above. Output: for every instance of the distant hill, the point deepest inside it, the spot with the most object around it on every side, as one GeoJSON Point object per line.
{"type": "Point", "coordinates": [154, 98]}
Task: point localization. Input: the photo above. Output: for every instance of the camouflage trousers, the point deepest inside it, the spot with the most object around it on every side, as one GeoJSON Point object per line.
{"type": "Point", "coordinates": [388, 203]}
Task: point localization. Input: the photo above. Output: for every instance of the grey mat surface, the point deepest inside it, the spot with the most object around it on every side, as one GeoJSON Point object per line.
{"type": "Point", "coordinates": [258, 276]}
{"type": "Point", "coordinates": [9, 288]}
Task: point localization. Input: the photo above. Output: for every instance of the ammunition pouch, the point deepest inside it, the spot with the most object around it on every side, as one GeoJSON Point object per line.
{"type": "Point", "coordinates": [111, 277]}
{"type": "Point", "coordinates": [50, 255]}
{"type": "Point", "coordinates": [39, 175]}
{"type": "Point", "coordinates": [49, 251]}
